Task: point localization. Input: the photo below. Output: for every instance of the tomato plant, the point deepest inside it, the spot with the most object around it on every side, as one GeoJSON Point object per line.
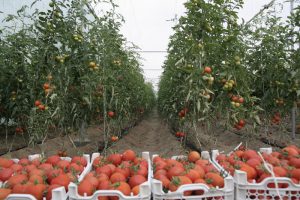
{"type": "Point", "coordinates": [69, 67]}
{"type": "Point", "coordinates": [205, 68]}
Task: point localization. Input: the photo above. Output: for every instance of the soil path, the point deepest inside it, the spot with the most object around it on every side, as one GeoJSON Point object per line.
{"type": "Point", "coordinates": [153, 135]}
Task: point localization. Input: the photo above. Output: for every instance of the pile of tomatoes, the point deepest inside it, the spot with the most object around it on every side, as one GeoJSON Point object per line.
{"type": "Point", "coordinates": [176, 172]}
{"type": "Point", "coordinates": [39, 176]}
{"type": "Point", "coordinates": [123, 172]}
{"type": "Point", "coordinates": [285, 163]}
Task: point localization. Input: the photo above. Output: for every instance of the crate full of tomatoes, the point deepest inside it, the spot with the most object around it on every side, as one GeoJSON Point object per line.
{"type": "Point", "coordinates": [118, 176]}
{"type": "Point", "coordinates": [37, 177]}
{"type": "Point", "coordinates": [265, 174]}
{"type": "Point", "coordinates": [190, 177]}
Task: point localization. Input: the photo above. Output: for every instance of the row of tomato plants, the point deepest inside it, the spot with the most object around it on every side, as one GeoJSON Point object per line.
{"type": "Point", "coordinates": [217, 68]}
{"type": "Point", "coordinates": [65, 67]}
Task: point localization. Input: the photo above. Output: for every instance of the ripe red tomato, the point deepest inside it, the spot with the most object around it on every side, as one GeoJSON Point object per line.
{"type": "Point", "coordinates": [36, 179]}
{"type": "Point", "coordinates": [241, 100]}
{"type": "Point", "coordinates": [241, 122]}
{"type": "Point", "coordinates": [93, 180]}
{"type": "Point", "coordinates": [295, 162]}
{"type": "Point", "coordinates": [24, 162]}
{"type": "Point", "coordinates": [41, 107]}
{"type": "Point", "coordinates": [62, 180]}
{"type": "Point", "coordinates": [115, 159]}
{"type": "Point", "coordinates": [37, 172]}
{"type": "Point", "coordinates": [102, 177]}
{"type": "Point", "coordinates": [111, 114]}
{"type": "Point", "coordinates": [49, 191]}
{"type": "Point", "coordinates": [104, 185]}
{"type": "Point", "coordinates": [19, 130]}
{"type": "Point", "coordinates": [207, 70]}
{"type": "Point", "coordinates": [234, 98]}
{"type": "Point", "coordinates": [15, 168]}
{"type": "Point", "coordinates": [47, 167]}
{"type": "Point", "coordinates": [5, 174]}
{"type": "Point", "coordinates": [117, 177]}
{"type": "Point", "coordinates": [46, 86]}
{"type": "Point", "coordinates": [54, 173]}
{"type": "Point", "coordinates": [135, 190]}
{"type": "Point", "coordinates": [193, 174]}
{"type": "Point", "coordinates": [177, 181]}
{"type": "Point", "coordinates": [136, 180]}
{"type": "Point", "coordinates": [123, 170]}
{"type": "Point", "coordinates": [114, 138]}
{"type": "Point", "coordinates": [37, 103]}
{"type": "Point", "coordinates": [37, 190]}
{"type": "Point", "coordinates": [4, 193]}
{"type": "Point", "coordinates": [16, 179]}
{"type": "Point", "coordinates": [21, 188]}
{"type": "Point", "coordinates": [194, 156]}
{"type": "Point", "coordinates": [6, 163]}
{"type": "Point", "coordinates": [295, 173]}
{"type": "Point", "coordinates": [214, 179]}
{"type": "Point", "coordinates": [175, 171]}
{"type": "Point", "coordinates": [139, 169]}
{"type": "Point", "coordinates": [122, 187]}
{"type": "Point", "coordinates": [80, 160]}
{"type": "Point", "coordinates": [63, 164]}
{"type": "Point", "coordinates": [104, 169]}
{"type": "Point", "coordinates": [128, 155]}
{"type": "Point", "coordinates": [53, 160]}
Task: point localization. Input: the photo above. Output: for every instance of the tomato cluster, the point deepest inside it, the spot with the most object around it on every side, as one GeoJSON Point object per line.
{"type": "Point", "coordinates": [183, 112]}
{"type": "Point", "coordinates": [174, 173]}
{"type": "Point", "coordinates": [123, 172]}
{"type": "Point", "coordinates": [114, 138]}
{"type": "Point", "coordinates": [286, 163]}
{"type": "Point", "coordinates": [276, 118]}
{"type": "Point", "coordinates": [179, 134]}
{"type": "Point", "coordinates": [39, 176]}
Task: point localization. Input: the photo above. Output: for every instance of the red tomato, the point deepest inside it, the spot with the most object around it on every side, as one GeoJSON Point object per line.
{"type": "Point", "coordinates": [136, 180]}
{"type": "Point", "coordinates": [128, 155]}
{"type": "Point", "coordinates": [117, 177]}
{"type": "Point", "coordinates": [62, 180]}
{"type": "Point", "coordinates": [207, 70]}
{"type": "Point", "coordinates": [5, 174]}
{"type": "Point", "coordinates": [53, 160]}
{"type": "Point", "coordinates": [193, 156]}
{"type": "Point", "coordinates": [115, 159]}
{"type": "Point", "coordinates": [37, 103]}
{"type": "Point", "coordinates": [111, 114]}
{"type": "Point", "coordinates": [49, 191]}
{"type": "Point", "coordinates": [79, 160]}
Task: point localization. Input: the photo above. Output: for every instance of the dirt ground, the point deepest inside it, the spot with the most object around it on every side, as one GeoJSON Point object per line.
{"type": "Point", "coordinates": [154, 135]}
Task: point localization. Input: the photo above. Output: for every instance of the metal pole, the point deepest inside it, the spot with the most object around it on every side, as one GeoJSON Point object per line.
{"type": "Point", "coordinates": [294, 109]}
{"type": "Point", "coordinates": [267, 6]}
{"type": "Point", "coordinates": [294, 121]}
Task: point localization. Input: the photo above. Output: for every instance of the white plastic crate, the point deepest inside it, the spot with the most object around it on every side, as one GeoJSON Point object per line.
{"type": "Point", "coordinates": [145, 188]}
{"type": "Point", "coordinates": [57, 193]}
{"type": "Point", "coordinates": [226, 193]}
{"type": "Point", "coordinates": [248, 191]}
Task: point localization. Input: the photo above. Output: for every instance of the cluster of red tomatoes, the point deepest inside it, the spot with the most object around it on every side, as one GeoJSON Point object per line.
{"type": "Point", "coordinates": [123, 172]}
{"type": "Point", "coordinates": [179, 134]}
{"type": "Point", "coordinates": [39, 176]}
{"type": "Point", "coordinates": [286, 163]}
{"type": "Point", "coordinates": [240, 124]}
{"type": "Point", "coordinates": [39, 105]}
{"type": "Point", "coordinates": [174, 173]}
{"type": "Point", "coordinates": [276, 118]}
{"type": "Point", "coordinates": [183, 112]}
